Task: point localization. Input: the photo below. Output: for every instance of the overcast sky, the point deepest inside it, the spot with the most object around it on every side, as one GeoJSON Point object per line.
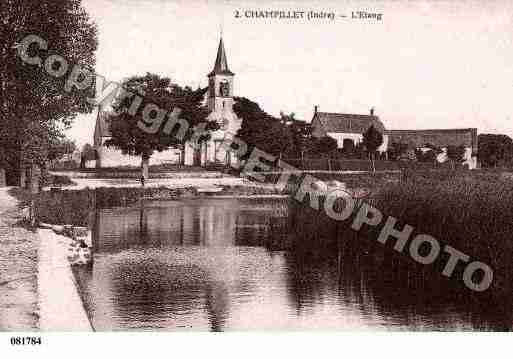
{"type": "Point", "coordinates": [427, 64]}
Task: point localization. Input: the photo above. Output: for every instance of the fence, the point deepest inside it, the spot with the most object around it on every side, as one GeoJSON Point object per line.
{"type": "Point", "coordinates": [330, 164]}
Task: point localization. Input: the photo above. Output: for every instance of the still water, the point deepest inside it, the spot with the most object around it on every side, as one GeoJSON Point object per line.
{"type": "Point", "coordinates": [222, 264]}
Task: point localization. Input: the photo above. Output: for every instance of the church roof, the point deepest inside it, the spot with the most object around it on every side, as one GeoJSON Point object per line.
{"type": "Point", "coordinates": [346, 122]}
{"type": "Point", "coordinates": [221, 65]}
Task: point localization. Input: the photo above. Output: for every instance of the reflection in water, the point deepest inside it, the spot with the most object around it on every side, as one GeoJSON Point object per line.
{"type": "Point", "coordinates": [228, 264]}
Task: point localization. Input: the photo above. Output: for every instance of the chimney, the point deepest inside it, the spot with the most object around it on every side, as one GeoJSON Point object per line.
{"type": "Point", "coordinates": [372, 111]}
{"type": "Point", "coordinates": [315, 109]}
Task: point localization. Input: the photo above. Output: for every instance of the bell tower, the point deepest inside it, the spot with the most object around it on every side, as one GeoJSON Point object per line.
{"type": "Point", "coordinates": [220, 91]}
{"type": "Point", "coordinates": [220, 105]}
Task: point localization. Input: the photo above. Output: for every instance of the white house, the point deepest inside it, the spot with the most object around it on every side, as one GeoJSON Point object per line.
{"type": "Point", "coordinates": [345, 127]}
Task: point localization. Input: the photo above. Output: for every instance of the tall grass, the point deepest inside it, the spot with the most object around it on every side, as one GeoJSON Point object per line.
{"type": "Point", "coordinates": [471, 211]}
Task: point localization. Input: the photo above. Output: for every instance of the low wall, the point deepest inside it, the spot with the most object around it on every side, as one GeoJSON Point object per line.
{"type": "Point", "coordinates": [329, 164]}
{"type": "Point", "coordinates": [60, 305]}
{"type": "Point", "coordinates": [178, 172]}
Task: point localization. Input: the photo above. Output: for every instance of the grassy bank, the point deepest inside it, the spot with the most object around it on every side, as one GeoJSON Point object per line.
{"type": "Point", "coordinates": [75, 206]}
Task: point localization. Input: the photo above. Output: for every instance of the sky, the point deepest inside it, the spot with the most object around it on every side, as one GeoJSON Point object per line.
{"type": "Point", "coordinates": [426, 64]}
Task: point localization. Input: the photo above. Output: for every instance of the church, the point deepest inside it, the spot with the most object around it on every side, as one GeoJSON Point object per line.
{"type": "Point", "coordinates": [220, 106]}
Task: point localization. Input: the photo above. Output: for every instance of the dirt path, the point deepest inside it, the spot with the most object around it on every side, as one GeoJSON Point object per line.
{"type": "Point", "coordinates": [18, 269]}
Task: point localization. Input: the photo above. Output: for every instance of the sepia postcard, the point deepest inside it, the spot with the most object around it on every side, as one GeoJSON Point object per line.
{"type": "Point", "coordinates": [253, 166]}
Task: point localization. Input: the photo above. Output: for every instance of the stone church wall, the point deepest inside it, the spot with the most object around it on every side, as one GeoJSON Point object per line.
{"type": "Point", "coordinates": [112, 157]}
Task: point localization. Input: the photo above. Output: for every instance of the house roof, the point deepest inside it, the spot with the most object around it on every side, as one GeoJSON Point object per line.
{"type": "Point", "coordinates": [221, 64]}
{"type": "Point", "coordinates": [466, 137]}
{"type": "Point", "coordinates": [347, 123]}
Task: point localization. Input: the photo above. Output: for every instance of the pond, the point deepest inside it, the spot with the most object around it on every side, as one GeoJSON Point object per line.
{"type": "Point", "coordinates": [242, 264]}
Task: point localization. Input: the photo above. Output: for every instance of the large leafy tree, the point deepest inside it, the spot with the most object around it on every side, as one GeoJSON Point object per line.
{"type": "Point", "coordinates": [129, 132]}
{"type": "Point", "coordinates": [33, 103]}
{"type": "Point", "coordinates": [495, 150]}
{"type": "Point", "coordinates": [372, 139]}
{"type": "Point", "coordinates": [323, 146]}
{"type": "Point", "coordinates": [261, 130]}
{"type": "Point", "coordinates": [299, 133]}
{"type": "Point", "coordinates": [284, 137]}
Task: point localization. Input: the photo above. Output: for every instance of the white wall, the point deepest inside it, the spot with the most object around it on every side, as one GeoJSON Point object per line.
{"type": "Point", "coordinates": [357, 138]}
{"type": "Point", "coordinates": [469, 160]}
{"type": "Point", "coordinates": [112, 157]}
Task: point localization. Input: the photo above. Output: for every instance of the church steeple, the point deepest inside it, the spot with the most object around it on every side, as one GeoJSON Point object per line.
{"type": "Point", "coordinates": [221, 64]}
{"type": "Point", "coordinates": [220, 105]}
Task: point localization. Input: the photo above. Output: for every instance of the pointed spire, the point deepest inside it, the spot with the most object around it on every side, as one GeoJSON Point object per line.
{"type": "Point", "coordinates": [221, 65]}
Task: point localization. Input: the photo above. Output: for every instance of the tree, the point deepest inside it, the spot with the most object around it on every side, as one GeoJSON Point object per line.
{"type": "Point", "coordinates": [397, 150]}
{"type": "Point", "coordinates": [88, 153]}
{"type": "Point", "coordinates": [301, 134]}
{"type": "Point", "coordinates": [428, 153]}
{"type": "Point", "coordinates": [322, 146]}
{"type": "Point", "coordinates": [159, 92]}
{"type": "Point", "coordinates": [372, 139]}
{"type": "Point", "coordinates": [494, 150]}
{"type": "Point", "coordinates": [261, 130]}
{"type": "Point", "coordinates": [297, 138]}
{"type": "Point", "coordinates": [59, 146]}
{"type": "Point", "coordinates": [455, 154]}
{"type": "Point", "coordinates": [32, 102]}
{"type": "Point", "coordinates": [284, 137]}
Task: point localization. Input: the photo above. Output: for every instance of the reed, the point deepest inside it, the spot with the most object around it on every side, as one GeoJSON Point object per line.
{"type": "Point", "coordinates": [471, 211]}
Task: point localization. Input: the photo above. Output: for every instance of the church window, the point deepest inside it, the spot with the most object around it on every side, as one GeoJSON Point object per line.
{"type": "Point", "coordinates": [224, 89]}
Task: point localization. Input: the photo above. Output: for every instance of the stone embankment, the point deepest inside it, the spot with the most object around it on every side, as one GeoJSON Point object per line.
{"type": "Point", "coordinates": [57, 286]}
{"type": "Point", "coordinates": [18, 268]}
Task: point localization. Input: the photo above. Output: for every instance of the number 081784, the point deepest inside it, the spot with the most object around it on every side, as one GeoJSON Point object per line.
{"type": "Point", "coordinates": [25, 340]}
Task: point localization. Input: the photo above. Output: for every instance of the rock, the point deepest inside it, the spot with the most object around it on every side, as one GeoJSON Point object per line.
{"type": "Point", "coordinates": [58, 229]}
